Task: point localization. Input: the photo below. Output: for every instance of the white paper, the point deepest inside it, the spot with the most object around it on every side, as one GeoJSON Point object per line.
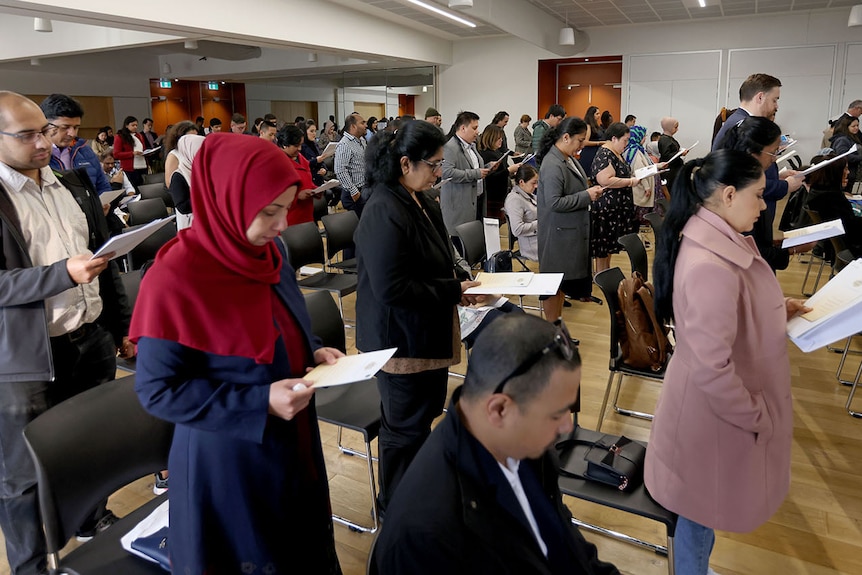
{"type": "Point", "coordinates": [816, 167]}
{"type": "Point", "coordinates": [501, 281]}
{"type": "Point", "coordinates": [681, 152]}
{"type": "Point", "coordinates": [786, 156]}
{"type": "Point", "coordinates": [152, 150]}
{"type": "Point", "coordinates": [329, 149]}
{"type": "Point", "coordinates": [325, 186]}
{"type": "Point", "coordinates": [491, 228]}
{"type": "Point", "coordinates": [646, 171]}
{"type": "Point", "coordinates": [540, 284]}
{"type": "Point", "coordinates": [813, 233]}
{"type": "Point", "coordinates": [470, 317]}
{"type": "Point", "coordinates": [836, 311]}
{"type": "Point", "coordinates": [124, 243]}
{"type": "Point", "coordinates": [527, 158]}
{"type": "Point", "coordinates": [108, 197]}
{"type": "Point", "coordinates": [439, 184]}
{"type": "Point", "coordinates": [349, 369]}
{"type": "Point", "coordinates": [309, 271]}
{"type": "Point", "coordinates": [149, 525]}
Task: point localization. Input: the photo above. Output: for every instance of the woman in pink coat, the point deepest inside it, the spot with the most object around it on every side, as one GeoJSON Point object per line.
{"type": "Point", "coordinates": [719, 451]}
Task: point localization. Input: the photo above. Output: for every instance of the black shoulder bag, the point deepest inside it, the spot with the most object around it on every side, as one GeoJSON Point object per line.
{"type": "Point", "coordinates": [613, 460]}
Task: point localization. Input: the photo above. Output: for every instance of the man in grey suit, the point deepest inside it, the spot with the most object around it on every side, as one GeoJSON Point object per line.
{"type": "Point", "coordinates": [462, 198]}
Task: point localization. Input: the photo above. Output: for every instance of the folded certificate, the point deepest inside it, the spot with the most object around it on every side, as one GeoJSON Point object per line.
{"type": "Point", "coordinates": [646, 171]}
{"type": "Point", "coordinates": [813, 233]}
{"type": "Point", "coordinates": [836, 311]}
{"type": "Point", "coordinates": [329, 149]}
{"type": "Point", "coordinates": [349, 369]}
{"type": "Point", "coordinates": [325, 186]}
{"type": "Point", "coordinates": [108, 197]}
{"type": "Point", "coordinates": [124, 243]}
{"type": "Point", "coordinates": [152, 150]}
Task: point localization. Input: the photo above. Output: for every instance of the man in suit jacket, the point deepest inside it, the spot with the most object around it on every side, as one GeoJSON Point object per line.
{"type": "Point", "coordinates": [462, 198]}
{"type": "Point", "coordinates": [481, 496]}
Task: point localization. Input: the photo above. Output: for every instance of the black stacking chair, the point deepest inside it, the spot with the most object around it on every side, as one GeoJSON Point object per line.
{"type": "Point", "coordinates": [157, 178]}
{"type": "Point", "coordinates": [320, 208]}
{"type": "Point", "coordinates": [147, 249]}
{"type": "Point", "coordinates": [339, 228]}
{"type": "Point", "coordinates": [144, 211]}
{"type": "Point", "coordinates": [471, 237]}
{"type": "Point", "coordinates": [85, 449]}
{"type": "Point", "coordinates": [655, 220]}
{"type": "Point", "coordinates": [305, 246]}
{"type": "Point", "coordinates": [637, 253]}
{"type": "Point", "coordinates": [156, 190]}
{"type": "Point", "coordinates": [608, 281]}
{"type": "Point", "coordinates": [637, 502]}
{"type": "Point", "coordinates": [131, 285]}
{"type": "Point", "coordinates": [355, 406]}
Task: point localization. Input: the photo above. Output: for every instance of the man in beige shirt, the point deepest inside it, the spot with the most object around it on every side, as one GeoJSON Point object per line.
{"type": "Point", "coordinates": [63, 315]}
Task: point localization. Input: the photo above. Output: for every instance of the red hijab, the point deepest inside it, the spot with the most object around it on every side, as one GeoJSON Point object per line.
{"type": "Point", "coordinates": [209, 288]}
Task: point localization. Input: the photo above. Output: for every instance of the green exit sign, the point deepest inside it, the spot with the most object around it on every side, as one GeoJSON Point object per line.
{"type": "Point", "coordinates": [212, 85]}
{"type": "Point", "coordinates": [165, 83]}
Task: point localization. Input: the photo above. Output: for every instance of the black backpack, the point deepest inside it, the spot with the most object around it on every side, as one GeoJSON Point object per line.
{"type": "Point", "coordinates": [499, 262]}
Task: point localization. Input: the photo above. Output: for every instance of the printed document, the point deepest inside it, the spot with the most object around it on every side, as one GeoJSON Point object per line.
{"type": "Point", "coordinates": [813, 233]}
{"type": "Point", "coordinates": [349, 369]}
{"type": "Point", "coordinates": [124, 243]}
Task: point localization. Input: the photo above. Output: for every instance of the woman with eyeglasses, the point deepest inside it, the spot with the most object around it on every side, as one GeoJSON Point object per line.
{"type": "Point", "coordinates": [761, 138]}
{"type": "Point", "coordinates": [719, 449]}
{"type": "Point", "coordinates": [408, 291]}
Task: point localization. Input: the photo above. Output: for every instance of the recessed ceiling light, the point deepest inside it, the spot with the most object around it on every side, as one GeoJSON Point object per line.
{"type": "Point", "coordinates": [443, 13]}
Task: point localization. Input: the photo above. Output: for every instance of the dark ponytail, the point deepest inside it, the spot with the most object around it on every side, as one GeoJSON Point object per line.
{"type": "Point", "coordinates": [695, 184]}
{"type": "Point", "coordinates": [571, 126]}
{"type": "Point", "coordinates": [751, 135]}
{"type": "Point", "coordinates": [416, 139]}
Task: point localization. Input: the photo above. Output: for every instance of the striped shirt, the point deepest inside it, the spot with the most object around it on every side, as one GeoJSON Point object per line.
{"type": "Point", "coordinates": [350, 163]}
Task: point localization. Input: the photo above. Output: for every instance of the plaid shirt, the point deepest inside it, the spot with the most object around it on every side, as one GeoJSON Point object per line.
{"type": "Point", "coordinates": [350, 163]}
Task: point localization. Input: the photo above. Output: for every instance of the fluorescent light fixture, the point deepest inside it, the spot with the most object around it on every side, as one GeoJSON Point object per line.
{"type": "Point", "coordinates": [460, 4]}
{"type": "Point", "coordinates": [42, 25]}
{"type": "Point", "coordinates": [855, 16]}
{"type": "Point", "coordinates": [443, 13]}
{"type": "Point", "coordinates": [702, 3]}
{"type": "Point", "coordinates": [567, 36]}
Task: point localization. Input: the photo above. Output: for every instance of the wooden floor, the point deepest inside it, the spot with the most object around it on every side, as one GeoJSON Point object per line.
{"type": "Point", "coordinates": [817, 531]}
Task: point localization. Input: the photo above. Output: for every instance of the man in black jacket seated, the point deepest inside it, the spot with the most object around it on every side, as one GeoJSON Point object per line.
{"type": "Point", "coordinates": [482, 495]}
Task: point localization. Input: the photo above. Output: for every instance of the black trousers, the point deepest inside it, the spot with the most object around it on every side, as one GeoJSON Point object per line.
{"type": "Point", "coordinates": [408, 404]}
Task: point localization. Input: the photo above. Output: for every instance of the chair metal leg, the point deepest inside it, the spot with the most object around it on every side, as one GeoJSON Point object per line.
{"type": "Point", "coordinates": [349, 450]}
{"type": "Point", "coordinates": [660, 549]}
{"type": "Point", "coordinates": [670, 568]}
{"type": "Point", "coordinates": [605, 400]}
{"type": "Point", "coordinates": [808, 271]}
{"type": "Point", "coordinates": [853, 392]}
{"type": "Point", "coordinates": [629, 412]}
{"type": "Point", "coordinates": [847, 351]}
{"type": "Point", "coordinates": [341, 309]}
{"type": "Point", "coordinates": [374, 512]}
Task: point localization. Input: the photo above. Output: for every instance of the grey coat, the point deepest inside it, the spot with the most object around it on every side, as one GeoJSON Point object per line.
{"type": "Point", "coordinates": [458, 197]}
{"type": "Point", "coordinates": [564, 217]}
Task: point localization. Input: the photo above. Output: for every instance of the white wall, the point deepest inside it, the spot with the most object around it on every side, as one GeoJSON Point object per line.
{"type": "Point", "coordinates": [688, 70]}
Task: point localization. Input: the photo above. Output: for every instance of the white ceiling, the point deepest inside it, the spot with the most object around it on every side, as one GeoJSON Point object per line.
{"type": "Point", "coordinates": [592, 13]}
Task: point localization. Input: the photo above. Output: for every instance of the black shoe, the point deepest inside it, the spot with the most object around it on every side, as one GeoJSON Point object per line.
{"type": "Point", "coordinates": [106, 521]}
{"type": "Point", "coordinates": [567, 303]}
{"type": "Point", "coordinates": [575, 342]}
{"type": "Point", "coordinates": [592, 299]}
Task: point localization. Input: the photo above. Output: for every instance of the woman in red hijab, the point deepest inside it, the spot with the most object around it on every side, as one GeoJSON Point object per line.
{"type": "Point", "coordinates": [223, 342]}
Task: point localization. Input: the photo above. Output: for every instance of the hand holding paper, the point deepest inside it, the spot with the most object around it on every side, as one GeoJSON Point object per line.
{"type": "Point", "coordinates": [349, 369]}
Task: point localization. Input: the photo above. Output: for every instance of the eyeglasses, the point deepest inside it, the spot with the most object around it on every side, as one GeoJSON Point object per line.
{"type": "Point", "coordinates": [774, 154]}
{"type": "Point", "coordinates": [30, 137]}
{"type": "Point", "coordinates": [433, 165]}
{"type": "Point", "coordinates": [562, 342]}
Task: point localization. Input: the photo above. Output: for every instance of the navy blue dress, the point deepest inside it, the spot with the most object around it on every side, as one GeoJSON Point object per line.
{"type": "Point", "coordinates": [248, 491]}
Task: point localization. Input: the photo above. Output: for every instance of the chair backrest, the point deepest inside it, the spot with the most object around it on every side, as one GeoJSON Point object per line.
{"type": "Point", "coordinates": [512, 237]}
{"type": "Point", "coordinates": [89, 446]}
{"type": "Point", "coordinates": [320, 208]}
{"type": "Point", "coordinates": [147, 249]}
{"type": "Point", "coordinates": [655, 220]}
{"type": "Point", "coordinates": [304, 245]}
{"type": "Point", "coordinates": [663, 203]}
{"type": "Point", "coordinates": [472, 236]}
{"type": "Point", "coordinates": [153, 190]}
{"type": "Point", "coordinates": [145, 211]}
{"type": "Point", "coordinates": [326, 322]}
{"type": "Point", "coordinates": [609, 281]}
{"type": "Point", "coordinates": [157, 178]}
{"type": "Point", "coordinates": [636, 252]}
{"type": "Point", "coordinates": [339, 231]}
{"type": "Point", "coordinates": [131, 285]}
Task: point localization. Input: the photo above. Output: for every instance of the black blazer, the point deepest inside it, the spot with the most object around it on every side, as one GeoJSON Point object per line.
{"type": "Point", "coordinates": [446, 516]}
{"type": "Point", "coordinates": [407, 289]}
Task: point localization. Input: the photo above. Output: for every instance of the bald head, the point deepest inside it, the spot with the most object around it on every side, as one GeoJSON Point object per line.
{"type": "Point", "coordinates": [26, 150]}
{"type": "Point", "coordinates": [10, 103]}
{"type": "Point", "coordinates": [669, 125]}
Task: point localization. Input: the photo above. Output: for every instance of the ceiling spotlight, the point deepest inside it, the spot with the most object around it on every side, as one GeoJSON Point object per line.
{"type": "Point", "coordinates": [702, 3]}
{"type": "Point", "coordinates": [855, 16]}
{"type": "Point", "coordinates": [190, 44]}
{"type": "Point", "coordinates": [567, 36]}
{"type": "Point", "coordinates": [35, 62]}
{"type": "Point", "coordinates": [312, 56]}
{"type": "Point", "coordinates": [166, 69]}
{"type": "Point", "coordinates": [460, 4]}
{"type": "Point", "coordinates": [425, 88]}
{"type": "Point", "coordinates": [42, 25]}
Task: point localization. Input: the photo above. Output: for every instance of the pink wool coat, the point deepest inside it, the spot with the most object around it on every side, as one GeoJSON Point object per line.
{"type": "Point", "coordinates": [719, 451]}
